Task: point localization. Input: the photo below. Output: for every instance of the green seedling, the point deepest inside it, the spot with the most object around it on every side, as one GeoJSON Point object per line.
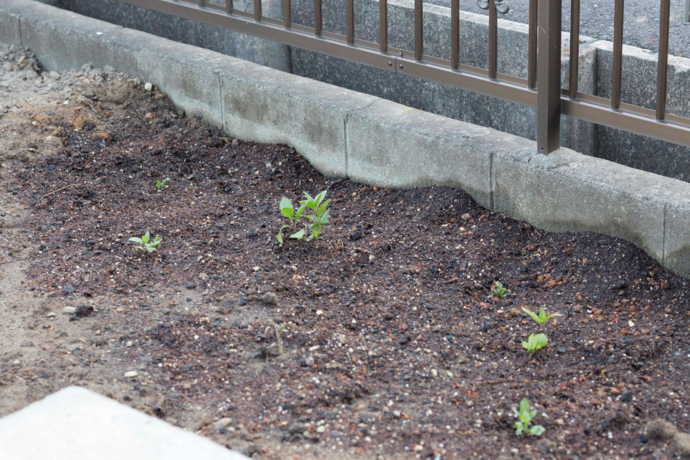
{"type": "Point", "coordinates": [541, 318]}
{"type": "Point", "coordinates": [525, 416]}
{"type": "Point", "coordinates": [318, 217]}
{"type": "Point", "coordinates": [162, 185]}
{"type": "Point", "coordinates": [499, 290]}
{"type": "Point", "coordinates": [535, 343]}
{"type": "Point", "coordinates": [145, 243]}
{"type": "Point", "coordinates": [279, 330]}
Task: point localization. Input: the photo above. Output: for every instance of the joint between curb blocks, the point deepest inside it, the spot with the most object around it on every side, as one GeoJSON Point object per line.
{"type": "Point", "coordinates": [663, 244]}
{"type": "Point", "coordinates": [492, 185]}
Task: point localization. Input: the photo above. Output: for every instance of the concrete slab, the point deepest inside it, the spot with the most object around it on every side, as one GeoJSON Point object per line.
{"type": "Point", "coordinates": [78, 424]}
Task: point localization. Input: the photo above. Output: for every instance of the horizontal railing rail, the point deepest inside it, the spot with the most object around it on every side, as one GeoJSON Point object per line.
{"type": "Point", "coordinates": [542, 88]}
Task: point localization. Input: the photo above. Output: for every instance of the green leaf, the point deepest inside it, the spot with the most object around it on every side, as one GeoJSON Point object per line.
{"type": "Point", "coordinates": [299, 235]}
{"type": "Point", "coordinates": [310, 199]}
{"type": "Point", "coordinates": [300, 211]}
{"type": "Point", "coordinates": [524, 405]}
{"type": "Point", "coordinates": [146, 237]}
{"type": "Point", "coordinates": [323, 207]}
{"type": "Point", "coordinates": [537, 430]}
{"type": "Point", "coordinates": [280, 234]}
{"type": "Point", "coordinates": [531, 314]}
{"type": "Point", "coordinates": [519, 427]}
{"type": "Point", "coordinates": [541, 340]}
{"type": "Point", "coordinates": [286, 208]}
{"type": "Point", "coordinates": [136, 240]}
{"type": "Point", "coordinates": [319, 198]}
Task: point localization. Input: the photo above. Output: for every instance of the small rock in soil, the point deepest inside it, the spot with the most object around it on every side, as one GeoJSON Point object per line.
{"type": "Point", "coordinates": [243, 301]}
{"type": "Point", "coordinates": [356, 236]}
{"type": "Point", "coordinates": [546, 445]}
{"type": "Point", "coordinates": [404, 340]}
{"type": "Point", "coordinates": [269, 298]}
{"type": "Point", "coordinates": [69, 310]}
{"type": "Point", "coordinates": [205, 420]}
{"type": "Point", "coordinates": [68, 289]}
{"type": "Point", "coordinates": [222, 423]}
{"type": "Point", "coordinates": [661, 429]}
{"type": "Point", "coordinates": [131, 374]}
{"type": "Point", "coordinates": [681, 445]}
{"type": "Point", "coordinates": [83, 311]}
{"type": "Point", "coordinates": [190, 285]}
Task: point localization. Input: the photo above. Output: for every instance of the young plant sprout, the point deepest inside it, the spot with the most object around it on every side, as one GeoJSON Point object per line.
{"type": "Point", "coordinates": [525, 416]}
{"type": "Point", "coordinates": [499, 290]}
{"type": "Point", "coordinates": [279, 329]}
{"type": "Point", "coordinates": [162, 185]}
{"type": "Point", "coordinates": [145, 244]}
{"type": "Point", "coordinates": [535, 343]}
{"type": "Point", "coordinates": [541, 318]}
{"type": "Point", "coordinates": [318, 217]}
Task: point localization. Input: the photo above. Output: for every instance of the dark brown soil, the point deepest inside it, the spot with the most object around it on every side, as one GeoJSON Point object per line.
{"type": "Point", "coordinates": [396, 346]}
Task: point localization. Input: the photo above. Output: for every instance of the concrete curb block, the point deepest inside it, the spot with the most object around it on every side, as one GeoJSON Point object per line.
{"type": "Point", "coordinates": [345, 133]}
{"type": "Point", "coordinates": [76, 423]}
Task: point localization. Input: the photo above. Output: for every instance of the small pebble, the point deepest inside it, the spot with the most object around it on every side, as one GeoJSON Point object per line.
{"type": "Point", "coordinates": [148, 86]}
{"type": "Point", "coordinates": [269, 298]}
{"type": "Point", "coordinates": [69, 310]}
{"type": "Point", "coordinates": [131, 374]}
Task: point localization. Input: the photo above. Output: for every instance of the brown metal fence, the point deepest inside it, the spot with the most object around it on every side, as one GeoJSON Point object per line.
{"type": "Point", "coordinates": [542, 88]}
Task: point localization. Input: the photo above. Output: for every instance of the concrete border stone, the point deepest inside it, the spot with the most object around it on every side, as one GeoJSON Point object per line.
{"type": "Point", "coordinates": [345, 133]}
{"type": "Point", "coordinates": [76, 423]}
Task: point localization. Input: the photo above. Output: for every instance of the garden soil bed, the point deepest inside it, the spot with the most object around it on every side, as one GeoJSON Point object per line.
{"type": "Point", "coordinates": [395, 346]}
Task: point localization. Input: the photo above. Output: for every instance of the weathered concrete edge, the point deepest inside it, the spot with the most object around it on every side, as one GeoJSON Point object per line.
{"type": "Point", "coordinates": [77, 423]}
{"type": "Point", "coordinates": [378, 141]}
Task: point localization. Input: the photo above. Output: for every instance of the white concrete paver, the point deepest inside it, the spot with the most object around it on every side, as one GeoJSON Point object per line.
{"type": "Point", "coordinates": [78, 424]}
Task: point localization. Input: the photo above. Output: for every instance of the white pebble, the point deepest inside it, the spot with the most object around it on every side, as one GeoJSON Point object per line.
{"type": "Point", "coordinates": [148, 86]}
{"type": "Point", "coordinates": [131, 374]}
{"type": "Point", "coordinates": [69, 310]}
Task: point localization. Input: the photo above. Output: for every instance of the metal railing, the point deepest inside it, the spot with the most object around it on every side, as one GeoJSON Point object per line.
{"type": "Point", "coordinates": [542, 88]}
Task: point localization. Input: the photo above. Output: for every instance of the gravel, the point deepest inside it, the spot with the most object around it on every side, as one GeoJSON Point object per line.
{"type": "Point", "coordinates": [596, 21]}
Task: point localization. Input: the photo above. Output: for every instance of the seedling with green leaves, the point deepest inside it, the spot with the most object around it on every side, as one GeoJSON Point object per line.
{"type": "Point", "coordinates": [535, 342]}
{"type": "Point", "coordinates": [540, 318]}
{"type": "Point", "coordinates": [162, 185]}
{"type": "Point", "coordinates": [318, 217]}
{"type": "Point", "coordinates": [525, 417]}
{"type": "Point", "coordinates": [145, 244]}
{"type": "Point", "coordinates": [500, 291]}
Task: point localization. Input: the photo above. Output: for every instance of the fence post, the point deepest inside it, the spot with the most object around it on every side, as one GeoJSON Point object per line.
{"type": "Point", "coordinates": [549, 76]}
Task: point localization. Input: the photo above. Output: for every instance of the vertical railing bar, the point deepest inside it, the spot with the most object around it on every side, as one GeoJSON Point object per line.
{"type": "Point", "coordinates": [454, 34]}
{"type": "Point", "coordinates": [617, 55]}
{"type": "Point", "coordinates": [318, 18]}
{"type": "Point", "coordinates": [549, 76]}
{"type": "Point", "coordinates": [350, 19]}
{"type": "Point", "coordinates": [418, 30]}
{"type": "Point", "coordinates": [229, 7]}
{"type": "Point", "coordinates": [383, 25]}
{"type": "Point", "coordinates": [287, 14]}
{"type": "Point", "coordinates": [574, 47]}
{"type": "Point", "coordinates": [493, 40]}
{"type": "Point", "coordinates": [257, 10]}
{"type": "Point", "coordinates": [662, 76]}
{"type": "Point", "coordinates": [532, 53]}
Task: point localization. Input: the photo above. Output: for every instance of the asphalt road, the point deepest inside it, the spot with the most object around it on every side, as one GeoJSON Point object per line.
{"type": "Point", "coordinates": [641, 20]}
